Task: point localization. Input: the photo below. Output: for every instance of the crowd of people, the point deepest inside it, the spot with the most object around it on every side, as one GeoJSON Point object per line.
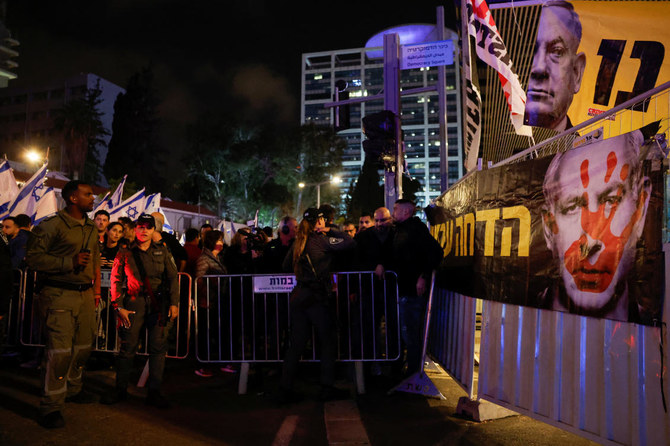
{"type": "Point", "coordinates": [69, 250]}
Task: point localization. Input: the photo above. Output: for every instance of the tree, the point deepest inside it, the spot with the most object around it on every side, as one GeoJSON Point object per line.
{"type": "Point", "coordinates": [238, 169]}
{"type": "Point", "coordinates": [367, 193]}
{"type": "Point", "coordinates": [134, 149]}
{"type": "Point", "coordinates": [80, 122]}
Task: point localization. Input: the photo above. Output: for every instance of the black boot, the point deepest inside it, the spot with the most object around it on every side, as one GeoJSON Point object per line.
{"type": "Point", "coordinates": [52, 420]}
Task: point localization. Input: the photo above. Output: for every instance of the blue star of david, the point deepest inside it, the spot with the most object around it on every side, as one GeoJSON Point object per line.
{"type": "Point", "coordinates": [132, 211]}
{"type": "Point", "coordinates": [4, 207]}
{"type": "Point", "coordinates": [36, 192]}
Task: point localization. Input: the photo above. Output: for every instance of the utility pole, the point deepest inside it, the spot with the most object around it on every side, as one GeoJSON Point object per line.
{"type": "Point", "coordinates": [393, 172]}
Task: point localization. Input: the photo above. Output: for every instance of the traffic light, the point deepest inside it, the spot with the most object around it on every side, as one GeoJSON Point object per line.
{"type": "Point", "coordinates": [380, 131]}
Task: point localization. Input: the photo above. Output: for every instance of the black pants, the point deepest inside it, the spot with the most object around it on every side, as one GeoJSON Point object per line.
{"type": "Point", "coordinates": [302, 319]}
{"type": "Point", "coordinates": [158, 343]}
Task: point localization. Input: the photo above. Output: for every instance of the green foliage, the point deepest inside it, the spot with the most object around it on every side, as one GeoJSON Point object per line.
{"type": "Point", "coordinates": [134, 149]}
{"type": "Point", "coordinates": [237, 170]}
{"type": "Point", "coordinates": [80, 121]}
{"type": "Point", "coordinates": [367, 193]}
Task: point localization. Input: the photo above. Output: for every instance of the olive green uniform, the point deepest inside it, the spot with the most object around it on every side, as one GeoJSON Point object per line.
{"type": "Point", "coordinates": [66, 302]}
{"type": "Point", "coordinates": [128, 292]}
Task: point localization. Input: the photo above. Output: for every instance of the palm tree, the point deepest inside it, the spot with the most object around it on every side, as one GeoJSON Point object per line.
{"type": "Point", "coordinates": [80, 123]}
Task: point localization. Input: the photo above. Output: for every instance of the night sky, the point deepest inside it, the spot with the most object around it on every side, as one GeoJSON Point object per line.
{"type": "Point", "coordinates": [203, 53]}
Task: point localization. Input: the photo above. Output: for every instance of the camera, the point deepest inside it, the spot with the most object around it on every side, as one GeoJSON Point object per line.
{"type": "Point", "coordinates": [255, 242]}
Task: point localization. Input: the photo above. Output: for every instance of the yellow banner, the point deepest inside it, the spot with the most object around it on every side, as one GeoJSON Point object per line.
{"type": "Point", "coordinates": [627, 49]}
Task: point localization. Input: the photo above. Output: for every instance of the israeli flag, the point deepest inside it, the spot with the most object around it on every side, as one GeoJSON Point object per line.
{"type": "Point", "coordinates": [28, 196]}
{"type": "Point", "coordinates": [8, 188]}
{"type": "Point", "coordinates": [46, 206]}
{"type": "Point", "coordinates": [167, 227]}
{"type": "Point", "coordinates": [115, 200]}
{"type": "Point", "coordinates": [153, 203]}
{"type": "Point", "coordinates": [131, 208]}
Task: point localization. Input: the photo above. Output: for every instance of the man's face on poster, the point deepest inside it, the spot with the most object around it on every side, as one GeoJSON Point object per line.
{"type": "Point", "coordinates": [556, 73]}
{"type": "Point", "coordinates": [597, 216]}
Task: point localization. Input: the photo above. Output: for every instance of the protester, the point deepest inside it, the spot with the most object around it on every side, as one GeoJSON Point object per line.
{"type": "Point", "coordinates": [310, 258]}
{"type": "Point", "coordinates": [204, 228]}
{"type": "Point", "coordinates": [365, 221]}
{"type": "Point", "coordinates": [191, 242]}
{"type": "Point", "coordinates": [64, 249]}
{"type": "Point", "coordinates": [178, 252]}
{"type": "Point", "coordinates": [349, 228]}
{"type": "Point", "coordinates": [244, 256]}
{"type": "Point", "coordinates": [209, 264]}
{"type": "Point", "coordinates": [414, 255]}
{"type": "Point", "coordinates": [101, 220]}
{"type": "Point", "coordinates": [145, 293]}
{"type": "Point", "coordinates": [110, 245]}
{"type": "Point", "coordinates": [275, 250]}
{"type": "Point", "coordinates": [128, 231]}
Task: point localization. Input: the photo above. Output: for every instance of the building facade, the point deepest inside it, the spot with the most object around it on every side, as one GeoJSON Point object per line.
{"type": "Point", "coordinates": [26, 116]}
{"type": "Point", "coordinates": [363, 69]}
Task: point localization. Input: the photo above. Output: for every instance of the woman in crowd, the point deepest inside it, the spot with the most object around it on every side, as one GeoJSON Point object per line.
{"type": "Point", "coordinates": [210, 292]}
{"type": "Point", "coordinates": [110, 245]}
{"type": "Point", "coordinates": [310, 257]}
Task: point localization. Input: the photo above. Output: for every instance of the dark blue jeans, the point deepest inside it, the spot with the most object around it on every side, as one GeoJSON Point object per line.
{"type": "Point", "coordinates": [412, 317]}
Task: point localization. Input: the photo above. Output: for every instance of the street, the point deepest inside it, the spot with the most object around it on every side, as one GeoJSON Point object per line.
{"type": "Point", "coordinates": [208, 411]}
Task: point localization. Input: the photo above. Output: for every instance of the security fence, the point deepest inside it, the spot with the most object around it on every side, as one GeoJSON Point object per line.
{"type": "Point", "coordinates": [246, 318]}
{"type": "Point", "coordinates": [242, 318]}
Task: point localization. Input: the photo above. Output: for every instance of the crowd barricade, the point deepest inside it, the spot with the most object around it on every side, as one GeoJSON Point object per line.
{"type": "Point", "coordinates": [29, 330]}
{"type": "Point", "coordinates": [245, 319]}
{"type": "Point", "coordinates": [11, 321]}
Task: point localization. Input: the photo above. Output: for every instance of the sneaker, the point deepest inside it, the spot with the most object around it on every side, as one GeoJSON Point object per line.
{"type": "Point", "coordinates": [155, 399]}
{"type": "Point", "coordinates": [52, 420]}
{"type": "Point", "coordinates": [228, 369]}
{"type": "Point", "coordinates": [114, 397]}
{"type": "Point", "coordinates": [330, 393]}
{"type": "Point", "coordinates": [82, 397]}
{"type": "Point", "coordinates": [205, 373]}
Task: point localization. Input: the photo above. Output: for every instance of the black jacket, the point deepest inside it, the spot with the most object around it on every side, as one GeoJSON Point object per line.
{"type": "Point", "coordinates": [320, 249]}
{"type": "Point", "coordinates": [414, 252]}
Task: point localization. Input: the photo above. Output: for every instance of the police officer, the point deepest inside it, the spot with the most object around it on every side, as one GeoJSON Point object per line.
{"type": "Point", "coordinates": [310, 257]}
{"type": "Point", "coordinates": [145, 292]}
{"type": "Point", "coordinates": [64, 250]}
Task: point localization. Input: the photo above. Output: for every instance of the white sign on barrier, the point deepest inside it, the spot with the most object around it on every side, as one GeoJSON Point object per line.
{"type": "Point", "coordinates": [430, 54]}
{"type": "Point", "coordinates": [106, 278]}
{"type": "Point", "coordinates": [274, 284]}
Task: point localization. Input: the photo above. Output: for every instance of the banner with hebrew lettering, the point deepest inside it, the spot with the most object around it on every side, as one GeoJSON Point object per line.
{"type": "Point", "coordinates": [590, 56]}
{"type": "Point", "coordinates": [578, 232]}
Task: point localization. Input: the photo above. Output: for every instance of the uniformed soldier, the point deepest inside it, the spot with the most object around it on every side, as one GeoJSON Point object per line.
{"type": "Point", "coordinates": [63, 250]}
{"type": "Point", "coordinates": [145, 291]}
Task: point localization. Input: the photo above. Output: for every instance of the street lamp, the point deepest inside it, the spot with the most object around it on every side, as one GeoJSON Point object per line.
{"type": "Point", "coordinates": [333, 180]}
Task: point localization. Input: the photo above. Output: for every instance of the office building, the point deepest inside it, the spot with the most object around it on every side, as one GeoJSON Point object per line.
{"type": "Point", "coordinates": [362, 70]}
{"type": "Point", "coordinates": [26, 116]}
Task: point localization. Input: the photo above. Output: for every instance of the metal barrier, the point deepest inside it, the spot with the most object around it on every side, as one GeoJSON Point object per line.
{"type": "Point", "coordinates": [107, 340]}
{"type": "Point", "coordinates": [242, 319]}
